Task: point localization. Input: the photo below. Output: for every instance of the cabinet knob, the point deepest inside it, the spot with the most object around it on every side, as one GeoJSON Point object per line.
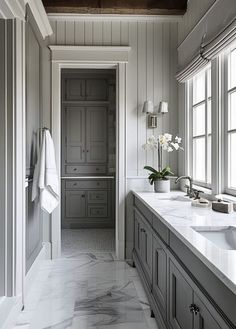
{"type": "Point", "coordinates": [75, 184]}
{"type": "Point", "coordinates": [83, 196]}
{"type": "Point", "coordinates": [75, 169]}
{"type": "Point", "coordinates": [97, 169]}
{"type": "Point", "coordinates": [87, 151]}
{"type": "Point", "coordinates": [143, 230]}
{"type": "Point", "coordinates": [194, 309]}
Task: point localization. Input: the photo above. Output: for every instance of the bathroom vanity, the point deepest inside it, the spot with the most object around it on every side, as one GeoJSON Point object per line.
{"type": "Point", "coordinates": [188, 273]}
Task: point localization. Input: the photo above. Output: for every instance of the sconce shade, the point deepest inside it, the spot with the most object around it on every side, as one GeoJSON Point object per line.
{"type": "Point", "coordinates": [163, 107]}
{"type": "Point", "coordinates": [148, 107]}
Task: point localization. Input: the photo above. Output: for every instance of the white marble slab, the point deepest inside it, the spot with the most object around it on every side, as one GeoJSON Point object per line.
{"type": "Point", "coordinates": [179, 216]}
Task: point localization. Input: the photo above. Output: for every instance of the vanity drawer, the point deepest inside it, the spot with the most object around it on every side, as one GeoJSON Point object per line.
{"type": "Point", "coordinates": [84, 184]}
{"type": "Point", "coordinates": [161, 229]}
{"type": "Point", "coordinates": [97, 197]}
{"type": "Point", "coordinates": [86, 169]}
{"type": "Point", "coordinates": [97, 211]}
{"type": "Point", "coordinates": [144, 210]}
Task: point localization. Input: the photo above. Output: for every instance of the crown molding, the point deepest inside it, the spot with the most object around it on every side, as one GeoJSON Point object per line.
{"type": "Point", "coordinates": [114, 17]}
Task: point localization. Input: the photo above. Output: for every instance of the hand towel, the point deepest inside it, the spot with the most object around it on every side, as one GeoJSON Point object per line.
{"type": "Point", "coordinates": [46, 180]}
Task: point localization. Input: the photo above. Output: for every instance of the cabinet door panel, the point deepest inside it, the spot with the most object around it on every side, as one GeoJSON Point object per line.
{"type": "Point", "coordinates": [74, 89]}
{"type": "Point", "coordinates": [204, 319]}
{"type": "Point", "coordinates": [75, 204]}
{"type": "Point", "coordinates": [146, 249]}
{"type": "Point", "coordinates": [137, 232]}
{"type": "Point", "coordinates": [75, 134]}
{"type": "Point", "coordinates": [159, 274]}
{"type": "Point", "coordinates": [96, 89]}
{"type": "Point", "coordinates": [180, 298]}
{"type": "Point", "coordinates": [96, 134]}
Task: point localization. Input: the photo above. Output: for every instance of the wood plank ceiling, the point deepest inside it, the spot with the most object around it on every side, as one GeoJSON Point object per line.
{"type": "Point", "coordinates": [126, 7]}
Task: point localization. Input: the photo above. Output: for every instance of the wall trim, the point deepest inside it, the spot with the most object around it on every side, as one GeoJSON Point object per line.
{"type": "Point", "coordinates": [109, 17]}
{"type": "Point", "coordinates": [95, 54]}
{"type": "Point", "coordinates": [66, 62]}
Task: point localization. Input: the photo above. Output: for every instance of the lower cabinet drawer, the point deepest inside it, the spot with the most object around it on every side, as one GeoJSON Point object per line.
{"type": "Point", "coordinates": [91, 169]}
{"type": "Point", "coordinates": [97, 211]}
{"type": "Point", "coordinates": [97, 197]}
{"type": "Point", "coordinates": [86, 184]}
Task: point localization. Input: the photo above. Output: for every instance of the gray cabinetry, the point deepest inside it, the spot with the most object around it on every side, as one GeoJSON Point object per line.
{"type": "Point", "coordinates": [159, 274]}
{"type": "Point", "coordinates": [87, 203]}
{"type": "Point", "coordinates": [180, 300]}
{"type": "Point", "coordinates": [75, 204]}
{"type": "Point", "coordinates": [75, 134]}
{"type": "Point", "coordinates": [96, 134]}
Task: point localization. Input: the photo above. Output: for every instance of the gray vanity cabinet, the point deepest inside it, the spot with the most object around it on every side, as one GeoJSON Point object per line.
{"type": "Point", "coordinates": [180, 299]}
{"type": "Point", "coordinates": [159, 274]}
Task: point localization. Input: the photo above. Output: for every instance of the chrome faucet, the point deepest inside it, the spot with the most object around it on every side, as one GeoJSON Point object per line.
{"type": "Point", "coordinates": [190, 190]}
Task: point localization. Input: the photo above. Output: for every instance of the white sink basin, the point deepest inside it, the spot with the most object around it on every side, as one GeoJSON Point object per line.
{"type": "Point", "coordinates": [224, 237]}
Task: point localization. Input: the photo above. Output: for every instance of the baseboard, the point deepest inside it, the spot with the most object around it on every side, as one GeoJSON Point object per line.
{"type": "Point", "coordinates": [45, 253]}
{"type": "Point", "coordinates": [10, 307]}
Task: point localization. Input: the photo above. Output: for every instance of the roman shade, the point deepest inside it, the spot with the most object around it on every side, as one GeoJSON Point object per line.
{"type": "Point", "coordinates": [208, 51]}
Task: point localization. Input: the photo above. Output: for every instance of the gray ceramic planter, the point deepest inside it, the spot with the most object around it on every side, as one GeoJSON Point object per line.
{"type": "Point", "coordinates": [162, 185]}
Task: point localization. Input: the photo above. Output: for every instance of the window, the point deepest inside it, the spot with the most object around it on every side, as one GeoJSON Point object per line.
{"type": "Point", "coordinates": [200, 127]}
{"type": "Point", "coordinates": [230, 122]}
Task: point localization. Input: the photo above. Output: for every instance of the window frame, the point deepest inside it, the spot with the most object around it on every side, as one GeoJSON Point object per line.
{"type": "Point", "coordinates": [226, 91]}
{"type": "Point", "coordinates": [191, 106]}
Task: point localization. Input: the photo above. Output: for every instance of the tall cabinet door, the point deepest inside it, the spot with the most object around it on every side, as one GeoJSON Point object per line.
{"type": "Point", "coordinates": [159, 277]}
{"type": "Point", "coordinates": [180, 299]}
{"type": "Point", "coordinates": [96, 123]}
{"type": "Point", "coordinates": [75, 134]}
{"type": "Point", "coordinates": [146, 249]}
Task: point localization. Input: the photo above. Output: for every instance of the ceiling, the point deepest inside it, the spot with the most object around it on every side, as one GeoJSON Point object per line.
{"type": "Point", "coordinates": [126, 7]}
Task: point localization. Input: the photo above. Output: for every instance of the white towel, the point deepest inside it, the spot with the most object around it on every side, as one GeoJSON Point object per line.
{"type": "Point", "coordinates": [46, 181]}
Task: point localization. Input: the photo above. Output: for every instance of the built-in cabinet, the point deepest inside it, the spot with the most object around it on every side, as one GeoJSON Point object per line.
{"type": "Point", "coordinates": [88, 114]}
{"type": "Point", "coordinates": [176, 292]}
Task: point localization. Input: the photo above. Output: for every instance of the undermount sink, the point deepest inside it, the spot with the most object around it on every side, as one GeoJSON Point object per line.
{"type": "Point", "coordinates": [224, 237]}
{"type": "Point", "coordinates": [180, 198]}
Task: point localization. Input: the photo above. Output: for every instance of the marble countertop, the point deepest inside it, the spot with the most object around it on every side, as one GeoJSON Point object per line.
{"type": "Point", "coordinates": [179, 216]}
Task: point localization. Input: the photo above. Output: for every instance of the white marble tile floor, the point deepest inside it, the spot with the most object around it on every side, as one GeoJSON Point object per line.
{"type": "Point", "coordinates": [89, 291]}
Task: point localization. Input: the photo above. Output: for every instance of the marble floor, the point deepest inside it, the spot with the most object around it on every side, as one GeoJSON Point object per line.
{"type": "Point", "coordinates": [86, 290]}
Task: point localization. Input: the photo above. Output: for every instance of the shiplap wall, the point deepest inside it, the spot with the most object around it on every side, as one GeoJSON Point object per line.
{"type": "Point", "coordinates": [195, 11]}
{"type": "Point", "coordinates": [150, 73]}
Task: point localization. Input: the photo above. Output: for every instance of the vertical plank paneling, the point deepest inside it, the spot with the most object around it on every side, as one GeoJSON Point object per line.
{"type": "Point", "coordinates": [106, 27]}
{"type": "Point", "coordinates": [61, 32]}
{"type": "Point", "coordinates": [88, 33]}
{"type": "Point", "coordinates": [150, 74]}
{"type": "Point", "coordinates": [79, 33]}
{"type": "Point", "coordinates": [142, 94]}
{"type": "Point", "coordinates": [173, 119]}
{"type": "Point", "coordinates": [166, 81]}
{"type": "Point", "coordinates": [150, 80]}
{"type": "Point", "coordinates": [70, 33]}
{"type": "Point", "coordinates": [97, 33]}
{"type": "Point", "coordinates": [124, 33]}
{"type": "Point", "coordinates": [52, 38]}
{"type": "Point", "coordinates": [131, 115]}
{"type": "Point", "coordinates": [115, 28]}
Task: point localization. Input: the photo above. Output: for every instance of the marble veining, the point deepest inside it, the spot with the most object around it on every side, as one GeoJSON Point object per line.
{"type": "Point", "coordinates": [90, 291]}
{"type": "Point", "coordinates": [179, 216]}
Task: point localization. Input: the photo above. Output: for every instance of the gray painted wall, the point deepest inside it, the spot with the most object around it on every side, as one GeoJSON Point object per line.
{"type": "Point", "coordinates": [34, 224]}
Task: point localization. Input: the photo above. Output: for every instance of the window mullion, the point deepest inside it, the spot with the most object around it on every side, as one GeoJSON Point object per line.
{"type": "Point", "coordinates": [206, 127]}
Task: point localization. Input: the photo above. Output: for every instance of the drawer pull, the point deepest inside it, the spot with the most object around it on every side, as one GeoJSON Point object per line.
{"type": "Point", "coordinates": [75, 169]}
{"type": "Point", "coordinates": [75, 184]}
{"type": "Point", "coordinates": [83, 196]}
{"type": "Point", "coordinates": [98, 184]}
{"type": "Point", "coordinates": [97, 169]}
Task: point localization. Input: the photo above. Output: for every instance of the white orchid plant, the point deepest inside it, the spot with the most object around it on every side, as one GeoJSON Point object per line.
{"type": "Point", "coordinates": [161, 143]}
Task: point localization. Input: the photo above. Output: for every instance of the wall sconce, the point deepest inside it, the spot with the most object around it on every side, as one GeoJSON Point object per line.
{"type": "Point", "coordinates": [163, 107]}
{"type": "Point", "coordinates": [148, 109]}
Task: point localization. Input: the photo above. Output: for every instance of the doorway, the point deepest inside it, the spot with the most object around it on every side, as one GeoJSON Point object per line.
{"type": "Point", "coordinates": [94, 57]}
{"type": "Point", "coordinates": [88, 160]}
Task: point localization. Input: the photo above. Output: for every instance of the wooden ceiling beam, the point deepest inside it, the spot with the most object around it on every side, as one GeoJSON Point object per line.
{"type": "Point", "coordinates": [122, 7]}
